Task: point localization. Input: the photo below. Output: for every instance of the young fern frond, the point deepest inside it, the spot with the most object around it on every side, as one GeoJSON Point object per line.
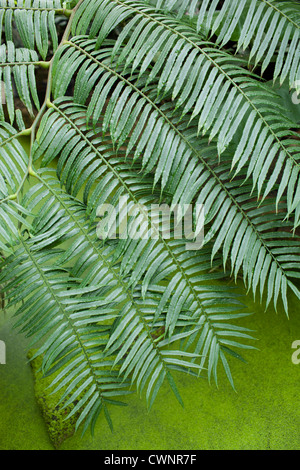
{"type": "Point", "coordinates": [214, 87]}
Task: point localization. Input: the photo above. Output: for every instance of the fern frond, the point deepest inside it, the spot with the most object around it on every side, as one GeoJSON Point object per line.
{"type": "Point", "coordinates": [206, 82]}
{"type": "Point", "coordinates": [183, 164]}
{"type": "Point", "coordinates": [56, 311]}
{"type": "Point", "coordinates": [126, 302]}
{"type": "Point", "coordinates": [97, 265]}
{"type": "Point", "coordinates": [269, 28]}
{"type": "Point", "coordinates": [74, 321]}
{"type": "Point", "coordinates": [13, 167]}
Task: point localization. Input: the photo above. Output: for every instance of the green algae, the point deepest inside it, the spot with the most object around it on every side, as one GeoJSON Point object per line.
{"type": "Point", "coordinates": [263, 414]}
{"type": "Point", "coordinates": [21, 423]}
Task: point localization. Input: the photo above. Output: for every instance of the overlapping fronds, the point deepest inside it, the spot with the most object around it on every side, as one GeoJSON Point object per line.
{"type": "Point", "coordinates": [146, 111]}
{"type": "Point", "coordinates": [181, 163]}
{"type": "Point", "coordinates": [80, 317]}
{"type": "Point", "coordinates": [82, 154]}
{"type": "Point", "coordinates": [55, 309]}
{"type": "Point", "coordinates": [204, 81]}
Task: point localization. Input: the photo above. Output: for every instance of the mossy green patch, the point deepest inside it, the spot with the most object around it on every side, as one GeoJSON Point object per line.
{"type": "Point", "coordinates": [59, 426]}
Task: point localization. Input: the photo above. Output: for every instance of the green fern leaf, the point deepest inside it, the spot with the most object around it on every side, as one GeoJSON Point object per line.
{"type": "Point", "coordinates": [219, 91]}
{"type": "Point", "coordinates": [13, 166]}
{"type": "Point", "coordinates": [17, 67]}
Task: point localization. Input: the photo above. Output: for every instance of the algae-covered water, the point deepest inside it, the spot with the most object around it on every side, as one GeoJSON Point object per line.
{"type": "Point", "coordinates": [263, 414]}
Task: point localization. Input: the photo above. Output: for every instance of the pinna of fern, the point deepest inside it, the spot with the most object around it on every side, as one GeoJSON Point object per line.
{"type": "Point", "coordinates": [269, 28]}
{"type": "Point", "coordinates": [33, 20]}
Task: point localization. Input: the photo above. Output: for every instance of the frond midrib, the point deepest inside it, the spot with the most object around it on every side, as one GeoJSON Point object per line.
{"type": "Point", "coordinates": [12, 137]}
{"type": "Point", "coordinates": [18, 64]}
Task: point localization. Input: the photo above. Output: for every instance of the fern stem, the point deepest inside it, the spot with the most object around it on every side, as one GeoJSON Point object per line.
{"type": "Point", "coordinates": [57, 11]}
{"type": "Point", "coordinates": [42, 64]}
